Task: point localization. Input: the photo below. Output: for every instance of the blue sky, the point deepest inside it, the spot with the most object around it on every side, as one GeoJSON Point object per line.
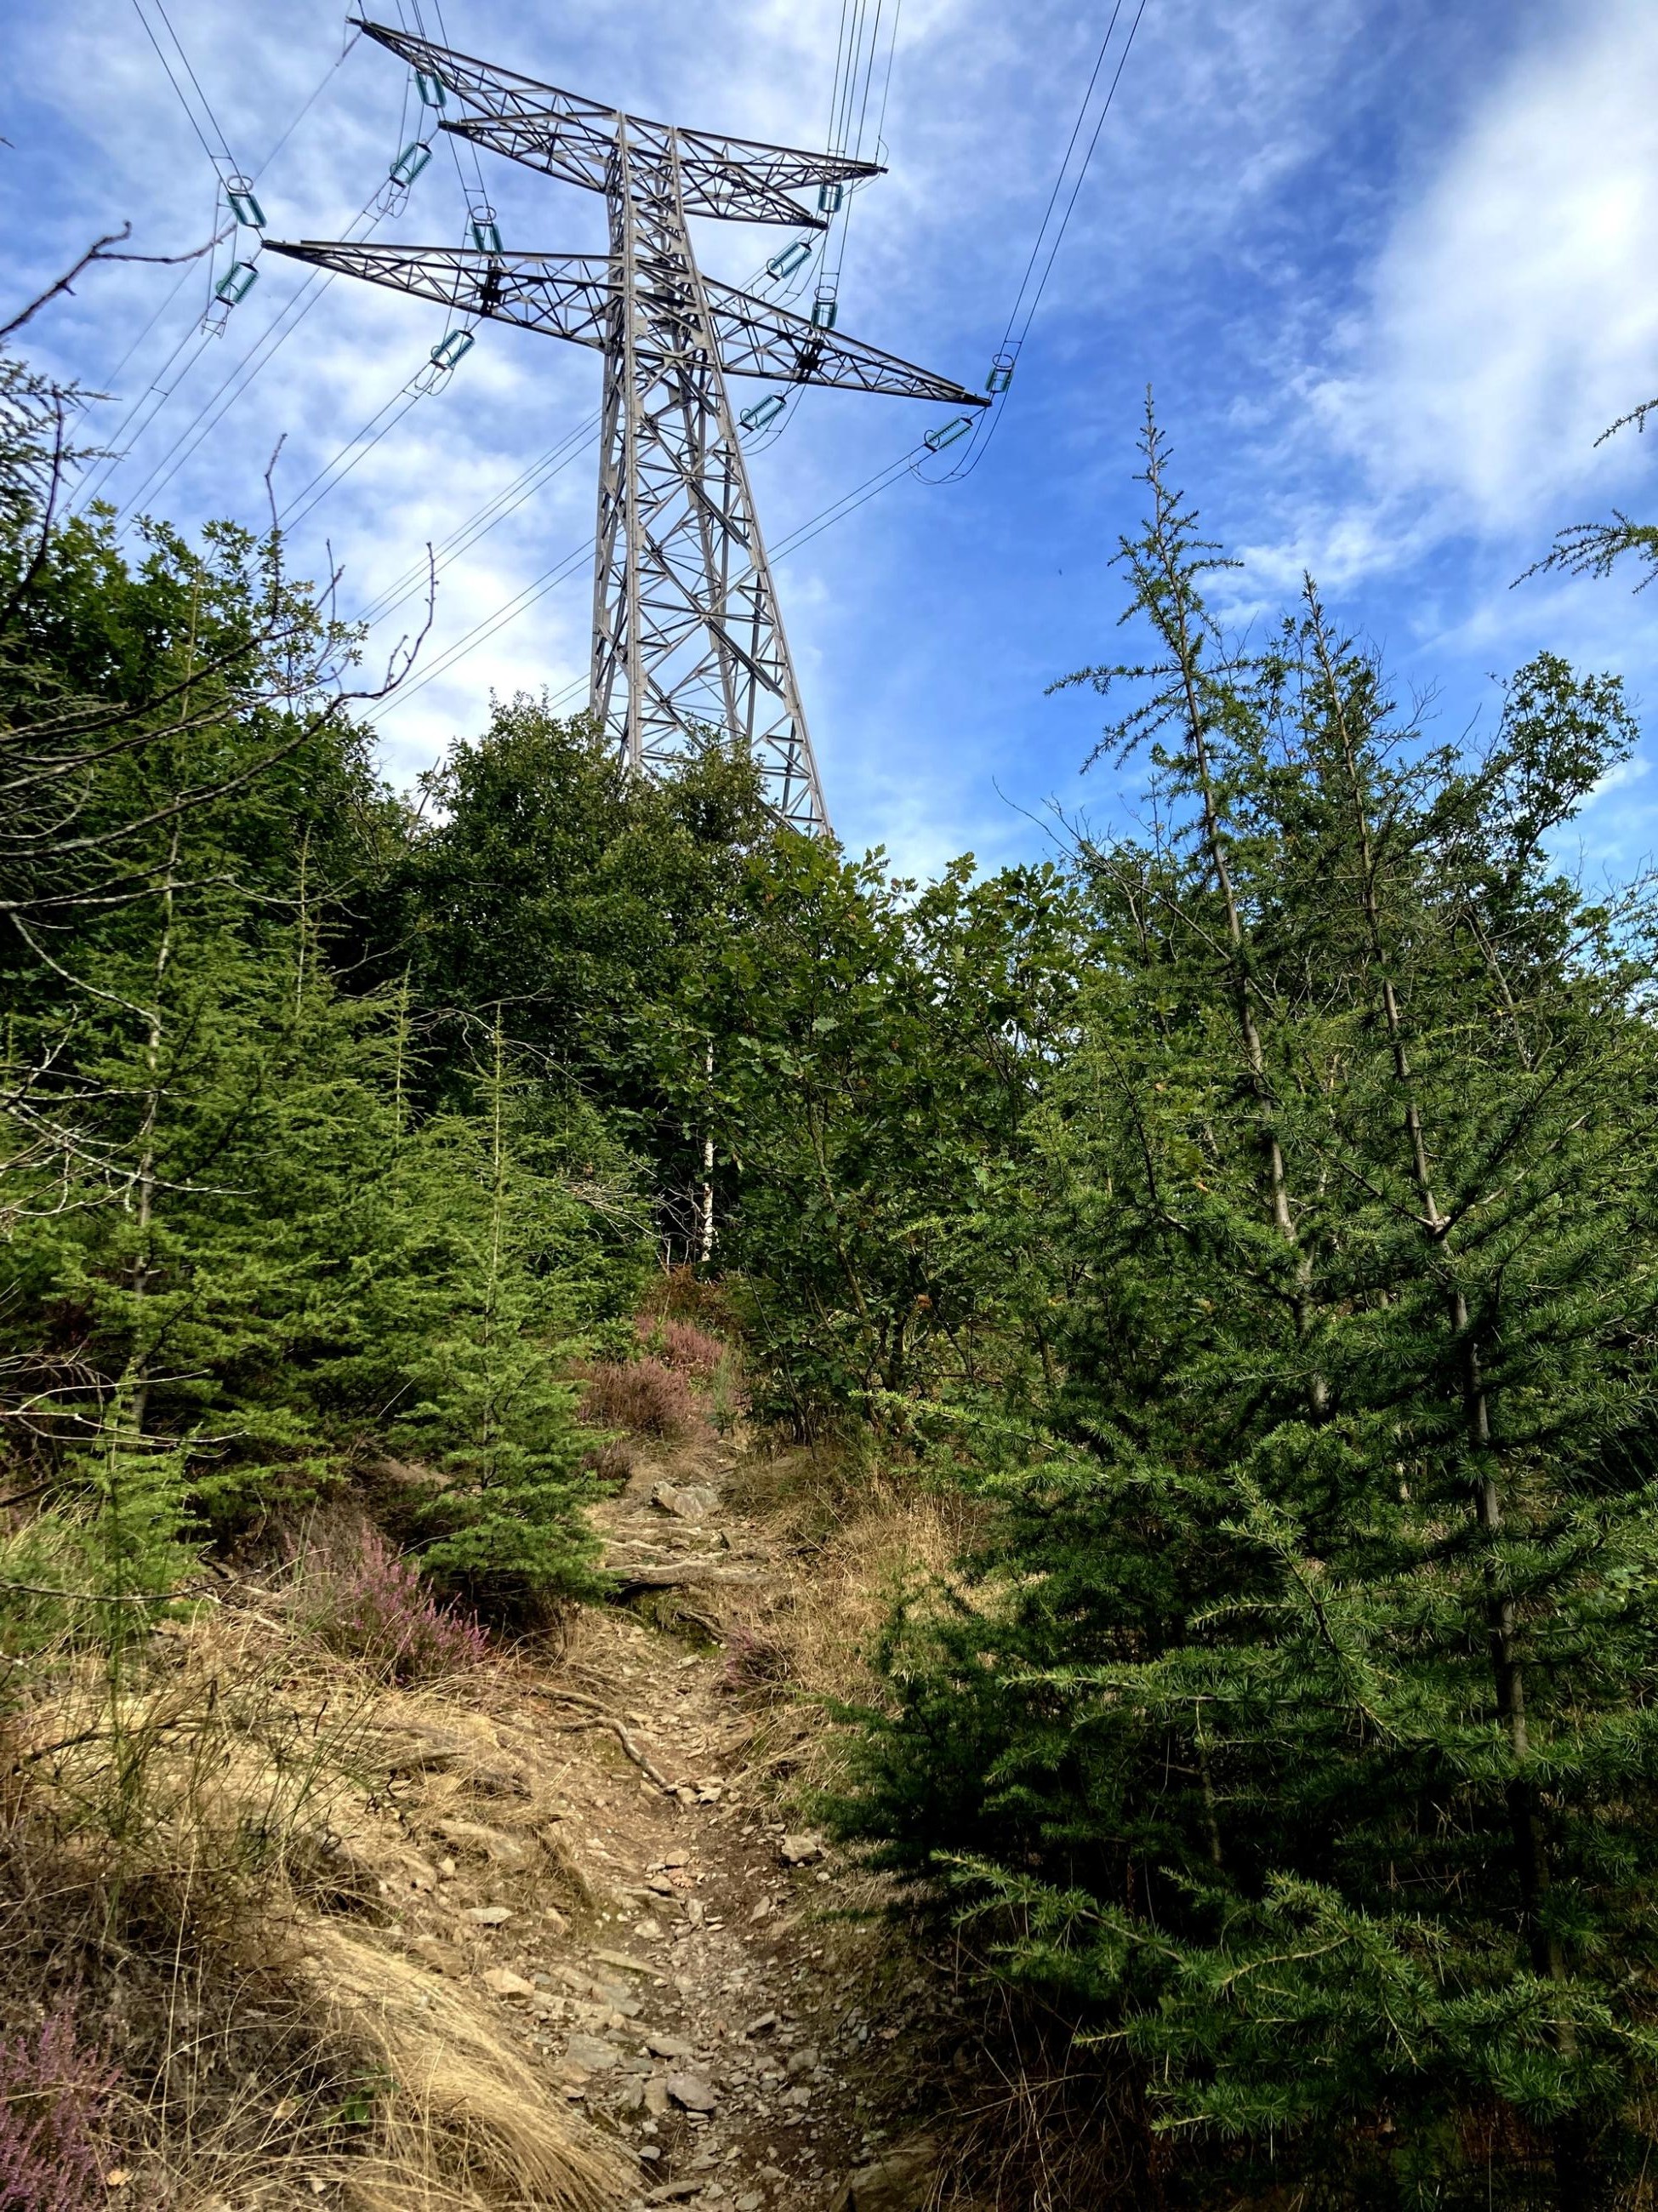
{"type": "Point", "coordinates": [1387, 264]}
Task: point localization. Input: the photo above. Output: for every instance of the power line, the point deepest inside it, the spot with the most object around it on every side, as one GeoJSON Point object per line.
{"type": "Point", "coordinates": [520, 602]}
{"type": "Point", "coordinates": [222, 160]}
{"type": "Point", "coordinates": [365, 446]}
{"type": "Point", "coordinates": [1016, 332]}
{"type": "Point", "coordinates": [161, 393]}
{"type": "Point", "coordinates": [1059, 235]}
{"type": "Point", "coordinates": [257, 357]}
{"type": "Point", "coordinates": [478, 525]}
{"type": "Point", "coordinates": [855, 83]}
{"type": "Point", "coordinates": [205, 419]}
{"type": "Point", "coordinates": [493, 623]}
{"type": "Point", "coordinates": [1059, 181]}
{"type": "Point", "coordinates": [211, 412]}
{"type": "Point", "coordinates": [168, 297]}
{"type": "Point", "coordinates": [323, 83]}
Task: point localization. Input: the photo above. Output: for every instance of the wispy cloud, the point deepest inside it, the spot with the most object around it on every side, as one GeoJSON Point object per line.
{"type": "Point", "coordinates": [1510, 315]}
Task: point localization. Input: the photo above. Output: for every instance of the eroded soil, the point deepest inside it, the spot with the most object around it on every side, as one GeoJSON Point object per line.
{"type": "Point", "coordinates": [711, 1987]}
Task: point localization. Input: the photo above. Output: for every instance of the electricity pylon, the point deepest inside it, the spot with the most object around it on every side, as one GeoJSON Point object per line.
{"type": "Point", "coordinates": [687, 635]}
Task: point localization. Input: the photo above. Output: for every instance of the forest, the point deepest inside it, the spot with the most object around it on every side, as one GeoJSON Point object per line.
{"type": "Point", "coordinates": [1246, 1224]}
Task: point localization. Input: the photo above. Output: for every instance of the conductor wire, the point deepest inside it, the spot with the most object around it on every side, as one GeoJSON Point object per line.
{"type": "Point", "coordinates": [984, 431]}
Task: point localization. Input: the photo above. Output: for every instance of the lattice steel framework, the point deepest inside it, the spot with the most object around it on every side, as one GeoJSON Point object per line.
{"type": "Point", "coordinates": [686, 634]}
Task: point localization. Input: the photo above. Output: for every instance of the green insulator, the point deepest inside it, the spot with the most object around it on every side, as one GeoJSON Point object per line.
{"type": "Point", "coordinates": [452, 347]}
{"type": "Point", "coordinates": [244, 203]}
{"type": "Point", "coordinates": [409, 163]}
{"type": "Point", "coordinates": [236, 284]}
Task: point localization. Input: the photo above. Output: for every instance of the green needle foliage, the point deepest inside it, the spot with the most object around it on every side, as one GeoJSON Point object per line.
{"type": "Point", "coordinates": [254, 1232]}
{"type": "Point", "coordinates": [488, 1411]}
{"type": "Point", "coordinates": [1296, 1723]}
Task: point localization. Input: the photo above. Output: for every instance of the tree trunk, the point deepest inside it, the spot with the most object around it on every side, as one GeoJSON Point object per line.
{"type": "Point", "coordinates": [1185, 648]}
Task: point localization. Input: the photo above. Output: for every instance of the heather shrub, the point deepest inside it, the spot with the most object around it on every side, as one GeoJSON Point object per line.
{"type": "Point", "coordinates": [612, 1460]}
{"type": "Point", "coordinates": [53, 2094]}
{"type": "Point", "coordinates": [757, 1664]}
{"type": "Point", "coordinates": [374, 1607]}
{"type": "Point", "coordinates": [682, 1345]}
{"type": "Point", "coordinates": [642, 1395]}
{"type": "Point", "coordinates": [680, 1294]}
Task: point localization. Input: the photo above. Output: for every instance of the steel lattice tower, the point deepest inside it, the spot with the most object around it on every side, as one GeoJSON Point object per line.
{"type": "Point", "coordinates": [687, 633]}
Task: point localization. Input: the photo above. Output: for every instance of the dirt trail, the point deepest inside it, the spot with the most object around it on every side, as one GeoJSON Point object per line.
{"type": "Point", "coordinates": [708, 1989]}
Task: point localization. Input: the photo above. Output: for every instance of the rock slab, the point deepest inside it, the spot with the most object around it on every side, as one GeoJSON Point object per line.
{"type": "Point", "coordinates": [692, 2093]}
{"type": "Point", "coordinates": [901, 2182]}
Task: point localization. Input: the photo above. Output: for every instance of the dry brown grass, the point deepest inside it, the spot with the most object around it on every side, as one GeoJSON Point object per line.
{"type": "Point", "coordinates": [213, 1856]}
{"type": "Point", "coordinates": [850, 1543]}
{"type": "Point", "coordinates": [468, 2120]}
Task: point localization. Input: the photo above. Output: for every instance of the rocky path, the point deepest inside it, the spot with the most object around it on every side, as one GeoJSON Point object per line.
{"type": "Point", "coordinates": [714, 1990]}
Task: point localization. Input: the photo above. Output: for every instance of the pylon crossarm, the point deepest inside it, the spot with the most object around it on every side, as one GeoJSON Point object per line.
{"type": "Point", "coordinates": [567, 295]}
{"type": "Point", "coordinates": [737, 179]}
{"type": "Point", "coordinates": [568, 146]}
{"type": "Point", "coordinates": [784, 168]}
{"type": "Point", "coordinates": [759, 339]}
{"type": "Point", "coordinates": [733, 179]}
{"type": "Point", "coordinates": [713, 183]}
{"type": "Point", "coordinates": [487, 87]}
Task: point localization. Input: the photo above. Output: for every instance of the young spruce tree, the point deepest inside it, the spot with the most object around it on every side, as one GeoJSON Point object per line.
{"type": "Point", "coordinates": [1299, 1727]}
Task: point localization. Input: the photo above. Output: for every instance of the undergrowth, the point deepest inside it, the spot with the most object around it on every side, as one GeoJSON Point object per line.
{"type": "Point", "coordinates": [643, 1397]}
{"type": "Point", "coordinates": [55, 2092]}
{"type": "Point", "coordinates": [373, 1605]}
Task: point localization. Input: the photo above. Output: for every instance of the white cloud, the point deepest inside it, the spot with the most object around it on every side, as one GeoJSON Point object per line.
{"type": "Point", "coordinates": [1511, 313]}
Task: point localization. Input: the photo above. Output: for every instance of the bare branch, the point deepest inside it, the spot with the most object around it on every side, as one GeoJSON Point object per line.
{"type": "Point", "coordinates": [99, 250]}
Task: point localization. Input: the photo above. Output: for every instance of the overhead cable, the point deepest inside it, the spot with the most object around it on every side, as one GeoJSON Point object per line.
{"type": "Point", "coordinates": [478, 525]}
{"type": "Point", "coordinates": [257, 357]}
{"type": "Point", "coordinates": [156, 393]}
{"type": "Point", "coordinates": [580, 556]}
{"type": "Point", "coordinates": [1019, 324]}
{"type": "Point", "coordinates": [223, 164]}
{"type": "Point", "coordinates": [1094, 140]}
{"type": "Point", "coordinates": [322, 85]}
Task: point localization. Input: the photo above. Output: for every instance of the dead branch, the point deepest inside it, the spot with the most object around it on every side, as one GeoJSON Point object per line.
{"type": "Point", "coordinates": [645, 1765]}
{"type": "Point", "coordinates": [100, 251]}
